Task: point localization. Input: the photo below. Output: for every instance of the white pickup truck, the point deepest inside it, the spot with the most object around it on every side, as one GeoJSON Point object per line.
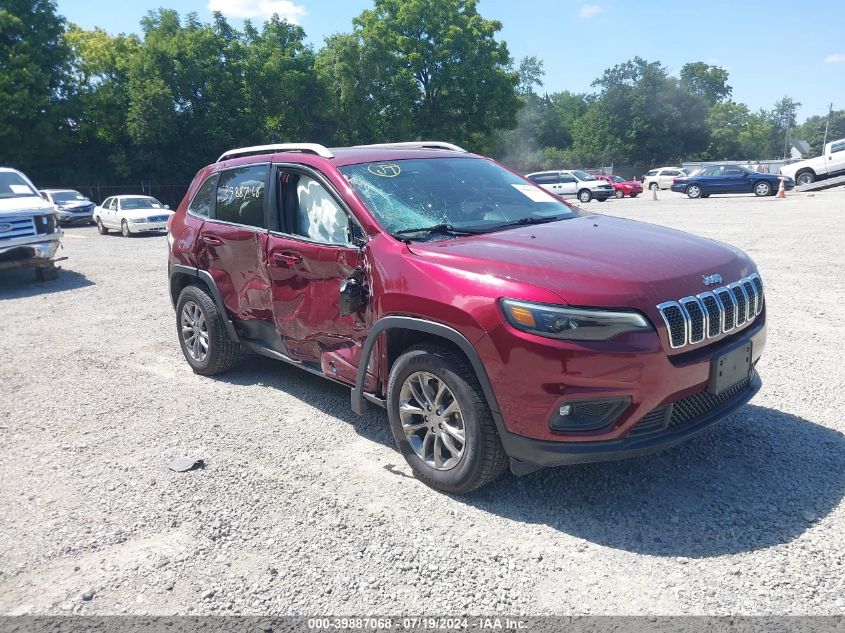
{"type": "Point", "coordinates": [830, 163]}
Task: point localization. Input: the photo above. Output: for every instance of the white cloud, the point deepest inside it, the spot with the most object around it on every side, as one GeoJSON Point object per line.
{"type": "Point", "coordinates": [286, 9]}
{"type": "Point", "coordinates": [832, 59]}
{"type": "Point", "coordinates": [588, 10]}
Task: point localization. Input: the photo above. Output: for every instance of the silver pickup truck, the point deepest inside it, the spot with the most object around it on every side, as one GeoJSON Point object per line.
{"type": "Point", "coordinates": [29, 233]}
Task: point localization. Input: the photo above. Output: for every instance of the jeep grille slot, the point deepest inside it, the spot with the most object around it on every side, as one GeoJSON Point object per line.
{"type": "Point", "coordinates": [693, 320]}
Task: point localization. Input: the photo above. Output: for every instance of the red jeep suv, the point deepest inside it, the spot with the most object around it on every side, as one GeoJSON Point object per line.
{"type": "Point", "coordinates": [495, 323]}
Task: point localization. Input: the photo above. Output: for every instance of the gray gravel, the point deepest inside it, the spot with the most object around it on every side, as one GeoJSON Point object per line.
{"type": "Point", "coordinates": [304, 508]}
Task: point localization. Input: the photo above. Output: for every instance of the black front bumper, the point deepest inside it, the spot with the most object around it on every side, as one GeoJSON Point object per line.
{"type": "Point", "coordinates": [544, 453]}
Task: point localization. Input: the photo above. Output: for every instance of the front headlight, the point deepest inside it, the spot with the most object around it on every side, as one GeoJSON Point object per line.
{"type": "Point", "coordinates": [572, 324]}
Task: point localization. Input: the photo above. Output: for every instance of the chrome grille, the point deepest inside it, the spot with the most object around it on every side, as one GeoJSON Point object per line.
{"type": "Point", "coordinates": [693, 320]}
{"type": "Point", "coordinates": [16, 227]}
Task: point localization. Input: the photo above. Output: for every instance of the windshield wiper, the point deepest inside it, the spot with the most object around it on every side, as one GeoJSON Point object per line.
{"type": "Point", "coordinates": [444, 229]}
{"type": "Point", "coordinates": [527, 220]}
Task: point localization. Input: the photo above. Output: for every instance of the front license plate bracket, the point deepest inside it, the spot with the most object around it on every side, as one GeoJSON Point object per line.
{"type": "Point", "coordinates": [730, 368]}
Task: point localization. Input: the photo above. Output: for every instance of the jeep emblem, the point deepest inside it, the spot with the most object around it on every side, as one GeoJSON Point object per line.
{"type": "Point", "coordinates": [709, 280]}
{"type": "Point", "coordinates": [5, 228]}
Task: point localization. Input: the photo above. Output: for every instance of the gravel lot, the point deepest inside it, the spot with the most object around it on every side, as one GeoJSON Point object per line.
{"type": "Point", "coordinates": [305, 508]}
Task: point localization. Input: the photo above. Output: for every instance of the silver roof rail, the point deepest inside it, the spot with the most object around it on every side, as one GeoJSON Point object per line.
{"type": "Point", "coordinates": [309, 148]}
{"type": "Point", "coordinates": [416, 145]}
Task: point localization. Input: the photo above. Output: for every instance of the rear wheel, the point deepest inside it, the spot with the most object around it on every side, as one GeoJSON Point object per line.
{"type": "Point", "coordinates": [585, 195]}
{"type": "Point", "coordinates": [441, 421]}
{"type": "Point", "coordinates": [619, 193]}
{"type": "Point", "coordinates": [694, 191]}
{"type": "Point", "coordinates": [602, 199]}
{"type": "Point", "coordinates": [124, 229]}
{"type": "Point", "coordinates": [101, 228]}
{"type": "Point", "coordinates": [653, 186]}
{"type": "Point", "coordinates": [805, 178]}
{"type": "Point", "coordinates": [762, 189]}
{"type": "Point", "coordinates": [202, 333]}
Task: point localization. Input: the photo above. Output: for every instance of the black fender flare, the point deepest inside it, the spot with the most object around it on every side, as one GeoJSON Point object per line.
{"type": "Point", "coordinates": [205, 276]}
{"type": "Point", "coordinates": [359, 404]}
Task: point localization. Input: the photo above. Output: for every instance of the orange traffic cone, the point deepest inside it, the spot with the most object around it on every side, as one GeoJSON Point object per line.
{"type": "Point", "coordinates": [781, 190]}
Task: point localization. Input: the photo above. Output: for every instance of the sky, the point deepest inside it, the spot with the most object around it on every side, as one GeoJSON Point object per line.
{"type": "Point", "coordinates": [769, 48]}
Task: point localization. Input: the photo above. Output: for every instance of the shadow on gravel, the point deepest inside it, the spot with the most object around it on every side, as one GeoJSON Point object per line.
{"type": "Point", "coordinates": [19, 283]}
{"type": "Point", "coordinates": [759, 478]}
{"type": "Point", "coordinates": [317, 392]}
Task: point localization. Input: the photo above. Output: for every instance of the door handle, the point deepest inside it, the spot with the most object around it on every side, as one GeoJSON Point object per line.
{"type": "Point", "coordinates": [212, 240]}
{"type": "Point", "coordinates": [286, 260]}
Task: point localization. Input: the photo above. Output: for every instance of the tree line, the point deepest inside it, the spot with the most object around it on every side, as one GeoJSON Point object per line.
{"type": "Point", "coordinates": [86, 107]}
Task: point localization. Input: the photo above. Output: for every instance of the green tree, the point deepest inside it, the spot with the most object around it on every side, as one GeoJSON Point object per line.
{"type": "Point", "coordinates": [812, 130]}
{"type": "Point", "coordinates": [530, 75]}
{"type": "Point", "coordinates": [709, 82]}
{"type": "Point", "coordinates": [465, 89]}
{"type": "Point", "coordinates": [34, 62]}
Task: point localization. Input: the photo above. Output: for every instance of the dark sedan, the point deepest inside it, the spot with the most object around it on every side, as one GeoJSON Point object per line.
{"type": "Point", "coordinates": [715, 179]}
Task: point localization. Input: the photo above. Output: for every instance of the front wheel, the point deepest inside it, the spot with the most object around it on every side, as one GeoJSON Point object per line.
{"type": "Point", "coordinates": [124, 229]}
{"type": "Point", "coordinates": [619, 193]}
{"type": "Point", "coordinates": [805, 178]}
{"type": "Point", "coordinates": [694, 191]}
{"type": "Point", "coordinates": [101, 228]}
{"type": "Point", "coordinates": [585, 195]}
{"type": "Point", "coordinates": [441, 421]}
{"type": "Point", "coordinates": [633, 195]}
{"type": "Point", "coordinates": [202, 333]}
{"type": "Point", "coordinates": [762, 189]}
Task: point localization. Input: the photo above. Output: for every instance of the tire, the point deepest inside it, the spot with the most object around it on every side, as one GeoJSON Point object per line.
{"type": "Point", "coordinates": [694, 191]}
{"type": "Point", "coordinates": [705, 195]}
{"type": "Point", "coordinates": [619, 193]}
{"type": "Point", "coordinates": [481, 459]}
{"type": "Point", "coordinates": [101, 228]}
{"type": "Point", "coordinates": [805, 178]}
{"type": "Point", "coordinates": [585, 195]}
{"type": "Point", "coordinates": [633, 195]}
{"type": "Point", "coordinates": [222, 352]}
{"type": "Point", "coordinates": [124, 229]}
{"type": "Point", "coordinates": [653, 186]}
{"type": "Point", "coordinates": [762, 189]}
{"type": "Point", "coordinates": [602, 199]}
{"type": "Point", "coordinates": [49, 273]}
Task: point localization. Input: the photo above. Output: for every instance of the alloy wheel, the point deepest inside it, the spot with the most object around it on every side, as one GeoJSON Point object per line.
{"type": "Point", "coordinates": [432, 420]}
{"type": "Point", "coordinates": [763, 189]}
{"type": "Point", "coordinates": [194, 331]}
{"type": "Point", "coordinates": [693, 191]}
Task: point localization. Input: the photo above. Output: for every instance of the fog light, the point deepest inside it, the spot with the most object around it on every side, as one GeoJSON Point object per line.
{"type": "Point", "coordinates": [565, 409]}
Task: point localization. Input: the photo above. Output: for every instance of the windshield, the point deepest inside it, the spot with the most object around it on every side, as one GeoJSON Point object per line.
{"type": "Point", "coordinates": [617, 179]}
{"type": "Point", "coordinates": [67, 196]}
{"type": "Point", "coordinates": [12, 185]}
{"type": "Point", "coordinates": [140, 203]}
{"type": "Point", "coordinates": [464, 193]}
{"type": "Point", "coordinates": [582, 175]}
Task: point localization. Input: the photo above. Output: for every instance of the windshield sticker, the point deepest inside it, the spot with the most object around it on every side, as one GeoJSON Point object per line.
{"type": "Point", "coordinates": [156, 205]}
{"type": "Point", "coordinates": [534, 193]}
{"type": "Point", "coordinates": [19, 189]}
{"type": "Point", "coordinates": [385, 170]}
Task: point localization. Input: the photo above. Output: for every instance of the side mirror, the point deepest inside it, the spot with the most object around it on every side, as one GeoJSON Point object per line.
{"type": "Point", "coordinates": [356, 235]}
{"type": "Point", "coordinates": [353, 293]}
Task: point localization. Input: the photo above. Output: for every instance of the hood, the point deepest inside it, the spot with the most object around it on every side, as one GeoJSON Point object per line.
{"type": "Point", "coordinates": [132, 214]}
{"type": "Point", "coordinates": [74, 204]}
{"type": "Point", "coordinates": [30, 204]}
{"type": "Point", "coordinates": [596, 260]}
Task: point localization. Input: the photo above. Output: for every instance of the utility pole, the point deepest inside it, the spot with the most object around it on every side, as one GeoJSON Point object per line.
{"type": "Point", "coordinates": [827, 127]}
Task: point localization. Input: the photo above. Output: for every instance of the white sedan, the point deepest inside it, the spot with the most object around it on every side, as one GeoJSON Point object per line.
{"type": "Point", "coordinates": [131, 214]}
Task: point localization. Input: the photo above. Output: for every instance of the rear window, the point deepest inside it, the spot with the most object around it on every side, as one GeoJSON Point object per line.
{"type": "Point", "coordinates": [240, 195]}
{"type": "Point", "coordinates": [12, 185]}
